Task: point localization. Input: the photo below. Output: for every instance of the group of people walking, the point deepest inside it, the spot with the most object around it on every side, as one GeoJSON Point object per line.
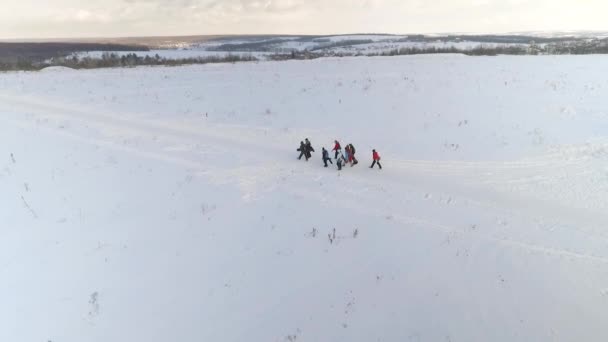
{"type": "Point", "coordinates": [305, 149]}
{"type": "Point", "coordinates": [342, 159]}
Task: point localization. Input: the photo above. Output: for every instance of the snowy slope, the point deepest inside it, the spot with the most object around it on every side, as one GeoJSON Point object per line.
{"type": "Point", "coordinates": [366, 44]}
{"type": "Point", "coordinates": [167, 204]}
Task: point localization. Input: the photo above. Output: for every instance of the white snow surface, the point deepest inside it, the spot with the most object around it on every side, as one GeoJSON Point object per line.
{"type": "Point", "coordinates": [167, 204]}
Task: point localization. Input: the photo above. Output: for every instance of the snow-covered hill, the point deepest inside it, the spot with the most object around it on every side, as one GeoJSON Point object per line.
{"type": "Point", "coordinates": [167, 204]}
{"type": "Point", "coordinates": [358, 44]}
{"type": "Point", "coordinates": [364, 44]}
{"type": "Point", "coordinates": [267, 47]}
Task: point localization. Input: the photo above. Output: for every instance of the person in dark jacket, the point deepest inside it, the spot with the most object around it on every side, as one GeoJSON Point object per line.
{"type": "Point", "coordinates": [337, 148]}
{"type": "Point", "coordinates": [302, 150]}
{"type": "Point", "coordinates": [340, 161]}
{"type": "Point", "coordinates": [376, 158]}
{"type": "Point", "coordinates": [326, 157]}
{"type": "Point", "coordinates": [309, 149]}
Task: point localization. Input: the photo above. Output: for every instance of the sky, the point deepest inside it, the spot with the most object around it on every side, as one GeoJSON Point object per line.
{"type": "Point", "coordinates": [119, 18]}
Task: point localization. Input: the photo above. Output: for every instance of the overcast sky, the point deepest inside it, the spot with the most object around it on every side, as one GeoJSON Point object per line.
{"type": "Point", "coordinates": [108, 18]}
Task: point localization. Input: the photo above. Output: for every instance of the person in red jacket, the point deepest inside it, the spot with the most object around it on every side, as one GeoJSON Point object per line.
{"type": "Point", "coordinates": [376, 157]}
{"type": "Point", "coordinates": [351, 149]}
{"type": "Point", "coordinates": [337, 148]}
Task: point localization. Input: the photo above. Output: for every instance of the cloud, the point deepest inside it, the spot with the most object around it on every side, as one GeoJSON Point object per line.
{"type": "Point", "coordinates": [229, 5]}
{"type": "Point", "coordinates": [172, 17]}
{"type": "Point", "coordinates": [82, 16]}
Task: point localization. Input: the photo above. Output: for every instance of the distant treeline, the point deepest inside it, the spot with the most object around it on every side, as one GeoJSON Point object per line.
{"type": "Point", "coordinates": [250, 46]}
{"type": "Point", "coordinates": [477, 51]}
{"type": "Point", "coordinates": [562, 48]}
{"type": "Point", "coordinates": [343, 43]}
{"type": "Point", "coordinates": [565, 48]}
{"type": "Point", "coordinates": [113, 60]}
{"type": "Point", "coordinates": [506, 39]}
{"type": "Point", "coordinates": [10, 52]}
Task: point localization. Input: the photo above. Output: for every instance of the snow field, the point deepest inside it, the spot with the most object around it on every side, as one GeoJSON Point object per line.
{"type": "Point", "coordinates": [167, 203]}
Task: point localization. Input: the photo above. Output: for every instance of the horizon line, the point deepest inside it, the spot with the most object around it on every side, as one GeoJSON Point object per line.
{"type": "Point", "coordinates": [467, 33]}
